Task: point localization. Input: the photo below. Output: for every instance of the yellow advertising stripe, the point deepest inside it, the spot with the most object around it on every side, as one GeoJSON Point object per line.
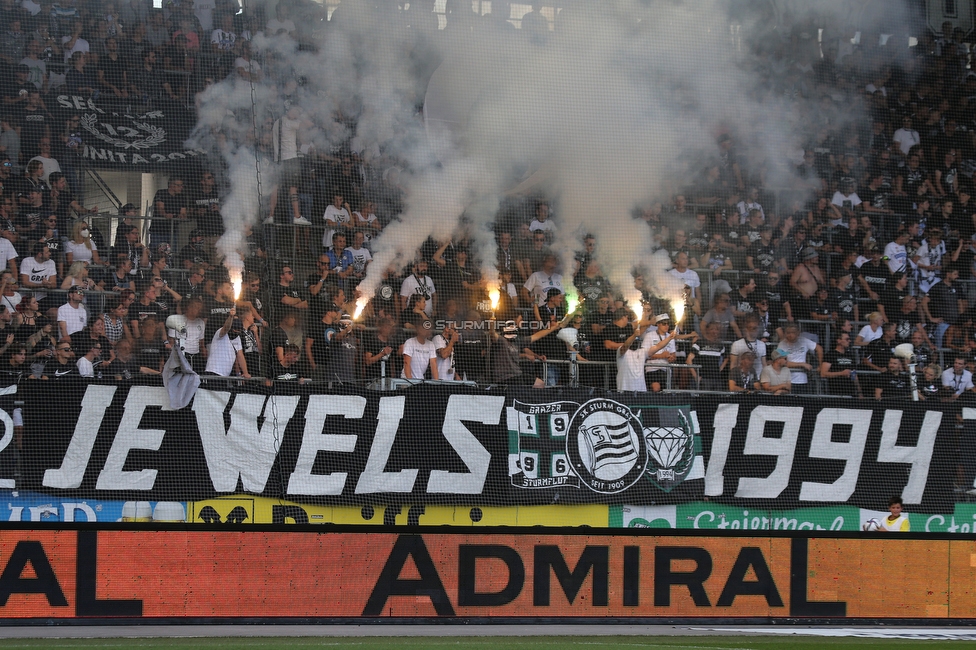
{"type": "Point", "coordinates": [244, 509]}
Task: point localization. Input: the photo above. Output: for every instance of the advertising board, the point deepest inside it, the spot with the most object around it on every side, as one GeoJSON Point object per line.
{"type": "Point", "coordinates": [252, 572]}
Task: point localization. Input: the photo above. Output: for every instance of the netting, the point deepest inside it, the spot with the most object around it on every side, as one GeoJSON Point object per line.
{"type": "Point", "coordinates": [686, 265]}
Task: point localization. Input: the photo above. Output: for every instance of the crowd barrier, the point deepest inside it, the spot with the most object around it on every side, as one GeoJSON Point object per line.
{"type": "Point", "coordinates": [261, 575]}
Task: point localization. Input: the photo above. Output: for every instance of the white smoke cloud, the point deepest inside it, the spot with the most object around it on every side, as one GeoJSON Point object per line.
{"type": "Point", "coordinates": [606, 111]}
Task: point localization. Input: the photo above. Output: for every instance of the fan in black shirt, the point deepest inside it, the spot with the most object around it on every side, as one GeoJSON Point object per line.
{"type": "Point", "coordinates": [776, 295]}
{"type": "Point", "coordinates": [875, 196]}
{"type": "Point", "coordinates": [875, 274]}
{"type": "Point", "coordinates": [761, 256]}
{"type": "Point", "coordinates": [63, 365]}
{"type": "Point", "coordinates": [896, 290]}
{"type": "Point", "coordinates": [382, 345]}
{"type": "Point", "coordinates": [839, 369]}
{"type": "Point", "coordinates": [893, 382]}
{"type": "Point", "coordinates": [111, 71]}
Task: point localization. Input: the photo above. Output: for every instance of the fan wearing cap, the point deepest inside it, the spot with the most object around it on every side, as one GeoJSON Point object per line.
{"type": "Point", "coordinates": [661, 349]}
{"type": "Point", "coordinates": [874, 273]}
{"type": "Point", "coordinates": [841, 296]}
{"type": "Point", "coordinates": [634, 353]}
{"type": "Point", "coordinates": [904, 138]}
{"type": "Point", "coordinates": [807, 275]}
{"type": "Point", "coordinates": [775, 377]}
{"type": "Point", "coordinates": [226, 349]}
{"type": "Point", "coordinates": [547, 315]}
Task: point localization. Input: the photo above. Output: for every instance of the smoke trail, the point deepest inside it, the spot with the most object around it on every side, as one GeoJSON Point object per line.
{"type": "Point", "coordinates": [622, 100]}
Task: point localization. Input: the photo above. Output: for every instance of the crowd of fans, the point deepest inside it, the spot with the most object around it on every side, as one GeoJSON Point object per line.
{"type": "Point", "coordinates": [805, 287]}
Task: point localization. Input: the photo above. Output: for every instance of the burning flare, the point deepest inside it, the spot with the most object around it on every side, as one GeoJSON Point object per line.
{"type": "Point", "coordinates": [679, 310]}
{"type": "Point", "coordinates": [493, 296]}
{"type": "Point", "coordinates": [572, 302]}
{"type": "Point", "coordinates": [360, 306]}
{"type": "Point", "coordinates": [235, 280]}
{"type": "Point", "coordinates": [638, 308]}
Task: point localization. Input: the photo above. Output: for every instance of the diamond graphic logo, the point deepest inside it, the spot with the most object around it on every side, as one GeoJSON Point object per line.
{"type": "Point", "coordinates": [671, 451]}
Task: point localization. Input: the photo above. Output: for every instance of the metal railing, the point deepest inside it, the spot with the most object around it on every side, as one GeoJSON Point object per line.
{"type": "Point", "coordinates": [175, 231]}
{"type": "Point", "coordinates": [102, 186]}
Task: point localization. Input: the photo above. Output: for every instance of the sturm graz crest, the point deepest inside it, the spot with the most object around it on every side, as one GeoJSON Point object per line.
{"type": "Point", "coordinates": [606, 446]}
{"type": "Point", "coordinates": [671, 451]}
{"type": "Point", "coordinates": [602, 443]}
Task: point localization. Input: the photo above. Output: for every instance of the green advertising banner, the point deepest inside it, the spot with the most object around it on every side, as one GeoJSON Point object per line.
{"type": "Point", "coordinates": [717, 516]}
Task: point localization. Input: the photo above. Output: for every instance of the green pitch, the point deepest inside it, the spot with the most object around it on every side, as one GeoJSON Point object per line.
{"type": "Point", "coordinates": [495, 643]}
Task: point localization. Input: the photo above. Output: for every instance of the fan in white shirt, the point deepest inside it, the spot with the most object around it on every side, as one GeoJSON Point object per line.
{"type": "Point", "coordinates": [336, 216]}
{"type": "Point", "coordinates": [444, 344]}
{"type": "Point", "coordinates": [418, 282]}
{"type": "Point", "coordinates": [688, 276]}
{"type": "Point", "coordinates": [418, 353]}
{"type": "Point", "coordinates": [361, 257]}
{"type": "Point", "coordinates": [906, 137]}
{"type": "Point", "coordinates": [367, 221]}
{"type": "Point", "coordinates": [226, 348]}
{"type": "Point", "coordinates": [957, 378]}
